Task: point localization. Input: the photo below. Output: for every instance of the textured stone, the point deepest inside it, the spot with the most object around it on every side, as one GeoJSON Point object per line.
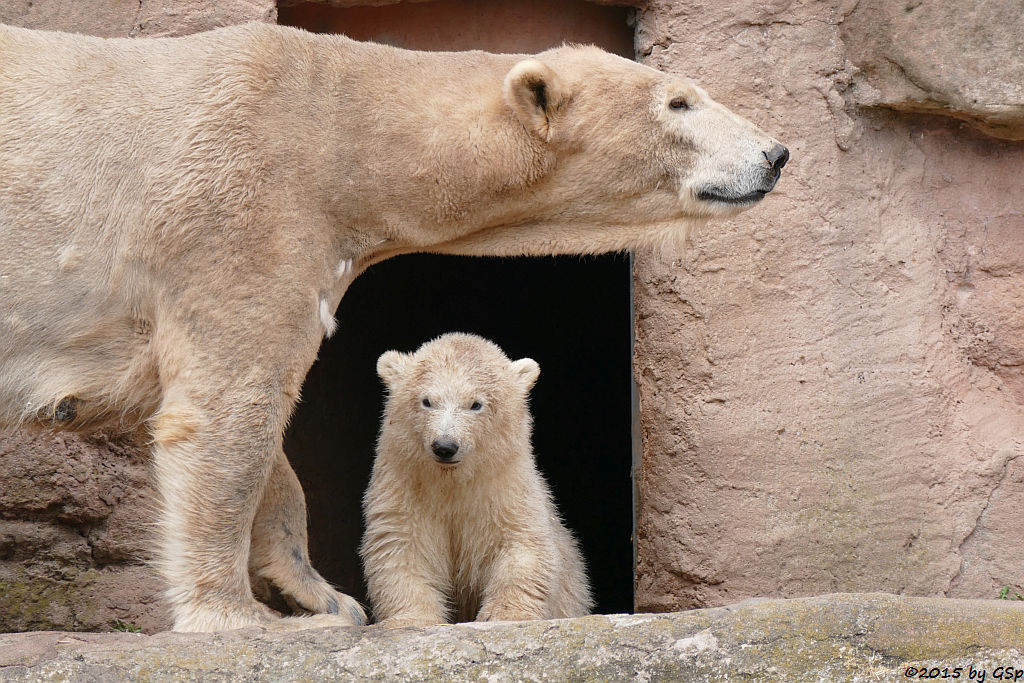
{"type": "Point", "coordinates": [119, 19]}
{"type": "Point", "coordinates": [175, 17]}
{"type": "Point", "coordinates": [468, 4]}
{"type": "Point", "coordinates": [831, 385]}
{"type": "Point", "coordinates": [964, 60]}
{"type": "Point", "coordinates": [346, 3]}
{"type": "Point", "coordinates": [74, 515]}
{"type": "Point", "coordinates": [839, 637]}
{"type": "Point", "coordinates": [107, 18]}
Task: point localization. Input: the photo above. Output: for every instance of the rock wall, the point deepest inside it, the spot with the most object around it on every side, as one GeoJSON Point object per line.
{"type": "Point", "coordinates": [73, 535]}
{"type": "Point", "coordinates": [120, 19]}
{"type": "Point", "coordinates": [943, 58]}
{"type": "Point", "coordinates": [832, 385]}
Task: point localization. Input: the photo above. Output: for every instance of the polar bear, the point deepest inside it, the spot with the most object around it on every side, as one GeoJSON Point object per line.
{"type": "Point", "coordinates": [459, 522]}
{"type": "Point", "coordinates": [179, 218]}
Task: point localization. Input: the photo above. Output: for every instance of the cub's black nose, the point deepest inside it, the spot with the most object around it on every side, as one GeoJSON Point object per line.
{"type": "Point", "coordinates": [777, 157]}
{"type": "Point", "coordinates": [444, 449]}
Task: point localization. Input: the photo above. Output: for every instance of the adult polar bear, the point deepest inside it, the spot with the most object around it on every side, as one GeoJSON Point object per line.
{"type": "Point", "coordinates": [179, 219]}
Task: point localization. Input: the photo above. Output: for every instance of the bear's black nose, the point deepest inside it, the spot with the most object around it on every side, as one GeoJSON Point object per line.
{"type": "Point", "coordinates": [444, 449]}
{"type": "Point", "coordinates": [777, 157]}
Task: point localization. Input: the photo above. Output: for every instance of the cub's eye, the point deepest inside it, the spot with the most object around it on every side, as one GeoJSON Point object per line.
{"type": "Point", "coordinates": [476, 405]}
{"type": "Point", "coordinates": [425, 402]}
{"type": "Point", "coordinates": [678, 104]}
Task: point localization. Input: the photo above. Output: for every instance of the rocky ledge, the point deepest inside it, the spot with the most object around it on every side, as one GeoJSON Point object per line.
{"type": "Point", "coordinates": [867, 637]}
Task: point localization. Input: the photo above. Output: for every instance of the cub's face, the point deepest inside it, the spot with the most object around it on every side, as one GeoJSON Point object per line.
{"type": "Point", "coordinates": [455, 399]}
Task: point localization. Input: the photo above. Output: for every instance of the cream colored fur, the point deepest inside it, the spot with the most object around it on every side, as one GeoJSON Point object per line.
{"type": "Point", "coordinates": [476, 536]}
{"type": "Point", "coordinates": [179, 219]}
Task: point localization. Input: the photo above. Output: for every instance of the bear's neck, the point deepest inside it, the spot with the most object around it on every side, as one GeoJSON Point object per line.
{"type": "Point", "coordinates": [406, 169]}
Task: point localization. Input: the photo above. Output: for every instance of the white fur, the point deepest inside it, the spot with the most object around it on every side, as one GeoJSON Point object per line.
{"type": "Point", "coordinates": [327, 319]}
{"type": "Point", "coordinates": [229, 186]}
{"type": "Point", "coordinates": [67, 257]}
{"type": "Point", "coordinates": [480, 539]}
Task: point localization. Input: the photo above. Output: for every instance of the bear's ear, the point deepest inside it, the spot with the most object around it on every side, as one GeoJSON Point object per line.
{"type": "Point", "coordinates": [526, 371]}
{"type": "Point", "coordinates": [391, 365]}
{"type": "Point", "coordinates": [535, 93]}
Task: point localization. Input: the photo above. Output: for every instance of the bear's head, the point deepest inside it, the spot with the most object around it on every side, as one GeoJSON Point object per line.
{"type": "Point", "coordinates": [611, 154]}
{"type": "Point", "coordinates": [456, 400]}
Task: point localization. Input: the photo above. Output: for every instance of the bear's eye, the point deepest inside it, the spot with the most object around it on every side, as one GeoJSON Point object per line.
{"type": "Point", "coordinates": [476, 405]}
{"type": "Point", "coordinates": [678, 104]}
{"type": "Point", "coordinates": [425, 402]}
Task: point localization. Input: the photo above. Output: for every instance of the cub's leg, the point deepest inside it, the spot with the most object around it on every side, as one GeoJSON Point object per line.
{"type": "Point", "coordinates": [403, 596]}
{"type": "Point", "coordinates": [406, 571]}
{"type": "Point", "coordinates": [570, 594]}
{"type": "Point", "coordinates": [519, 585]}
{"type": "Point", "coordinates": [279, 547]}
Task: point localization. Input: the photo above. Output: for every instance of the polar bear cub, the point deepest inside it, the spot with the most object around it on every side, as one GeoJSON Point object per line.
{"type": "Point", "coordinates": [459, 522]}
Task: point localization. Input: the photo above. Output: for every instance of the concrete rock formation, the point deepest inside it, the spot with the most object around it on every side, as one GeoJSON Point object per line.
{"type": "Point", "coordinates": [73, 529]}
{"type": "Point", "coordinates": [829, 638]}
{"type": "Point", "coordinates": [963, 60]}
{"type": "Point", "coordinates": [832, 386]}
{"type": "Point", "coordinates": [119, 19]}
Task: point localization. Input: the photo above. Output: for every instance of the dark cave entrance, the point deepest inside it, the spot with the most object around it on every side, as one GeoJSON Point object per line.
{"type": "Point", "coordinates": [572, 315]}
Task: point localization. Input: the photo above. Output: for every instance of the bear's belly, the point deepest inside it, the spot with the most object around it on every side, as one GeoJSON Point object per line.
{"type": "Point", "coordinates": [72, 354]}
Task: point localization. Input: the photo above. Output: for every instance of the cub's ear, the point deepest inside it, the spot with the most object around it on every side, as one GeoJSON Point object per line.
{"type": "Point", "coordinates": [535, 93]}
{"type": "Point", "coordinates": [526, 371]}
{"type": "Point", "coordinates": [391, 365]}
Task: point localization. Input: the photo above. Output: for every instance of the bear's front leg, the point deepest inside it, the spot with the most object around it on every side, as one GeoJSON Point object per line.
{"type": "Point", "coordinates": [211, 461]}
{"type": "Point", "coordinates": [279, 548]}
{"type": "Point", "coordinates": [519, 585]}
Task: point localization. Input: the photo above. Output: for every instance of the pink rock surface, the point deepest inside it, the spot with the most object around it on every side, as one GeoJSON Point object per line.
{"type": "Point", "coordinates": [119, 19]}
{"type": "Point", "coordinates": [74, 516]}
{"type": "Point", "coordinates": [830, 384]}
{"type": "Point", "coordinates": [964, 60]}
